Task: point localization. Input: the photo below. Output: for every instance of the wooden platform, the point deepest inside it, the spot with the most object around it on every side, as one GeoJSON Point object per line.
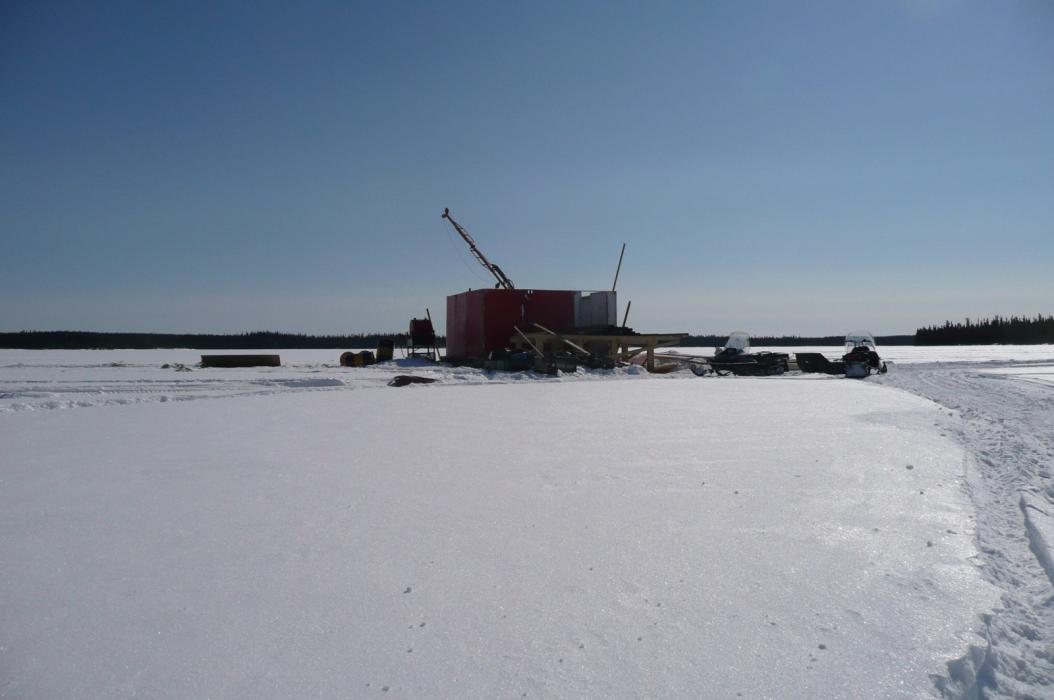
{"type": "Point", "coordinates": [622, 348]}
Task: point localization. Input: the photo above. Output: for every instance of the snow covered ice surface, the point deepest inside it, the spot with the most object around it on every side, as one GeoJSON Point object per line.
{"type": "Point", "coordinates": [306, 531]}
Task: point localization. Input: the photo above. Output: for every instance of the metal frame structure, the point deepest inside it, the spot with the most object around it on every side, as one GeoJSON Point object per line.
{"type": "Point", "coordinates": [503, 281]}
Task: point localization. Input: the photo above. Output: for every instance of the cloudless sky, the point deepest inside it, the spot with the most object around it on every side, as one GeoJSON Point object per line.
{"type": "Point", "coordinates": [805, 167]}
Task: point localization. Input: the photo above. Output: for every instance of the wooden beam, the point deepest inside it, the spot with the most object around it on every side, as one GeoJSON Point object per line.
{"type": "Point", "coordinates": [528, 341]}
{"type": "Point", "coordinates": [569, 343]}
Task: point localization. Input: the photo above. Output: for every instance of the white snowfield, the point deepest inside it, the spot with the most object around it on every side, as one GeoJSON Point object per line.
{"type": "Point", "coordinates": [307, 531]}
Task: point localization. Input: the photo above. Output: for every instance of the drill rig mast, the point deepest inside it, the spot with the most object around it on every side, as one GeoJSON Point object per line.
{"type": "Point", "coordinates": [503, 281]}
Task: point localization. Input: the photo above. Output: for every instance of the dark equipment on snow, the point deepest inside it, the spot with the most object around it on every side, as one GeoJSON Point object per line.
{"type": "Point", "coordinates": [735, 358]}
{"type": "Point", "coordinates": [362, 358]}
{"type": "Point", "coordinates": [861, 357]}
{"type": "Point", "coordinates": [240, 361]}
{"type": "Point", "coordinates": [814, 362]}
{"type": "Point", "coordinates": [859, 361]}
{"type": "Point", "coordinates": [385, 349]}
{"type": "Point", "coordinates": [406, 379]}
{"type": "Point", "coordinates": [422, 338]}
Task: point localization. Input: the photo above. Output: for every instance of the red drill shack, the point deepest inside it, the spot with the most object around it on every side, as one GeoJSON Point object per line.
{"type": "Point", "coordinates": [483, 320]}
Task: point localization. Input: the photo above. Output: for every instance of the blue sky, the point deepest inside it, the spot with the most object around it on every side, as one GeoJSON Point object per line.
{"type": "Point", "coordinates": [777, 167]}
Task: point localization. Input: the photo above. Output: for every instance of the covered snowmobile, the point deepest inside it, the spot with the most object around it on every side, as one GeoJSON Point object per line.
{"type": "Point", "coordinates": [735, 357]}
{"type": "Point", "coordinates": [861, 356]}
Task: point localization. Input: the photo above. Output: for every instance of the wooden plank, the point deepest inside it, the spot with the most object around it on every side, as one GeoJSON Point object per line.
{"type": "Point", "coordinates": [644, 343]}
{"type": "Point", "coordinates": [528, 340]}
{"type": "Point", "coordinates": [570, 344]}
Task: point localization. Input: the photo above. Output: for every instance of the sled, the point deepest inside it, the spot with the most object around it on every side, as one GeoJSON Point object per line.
{"type": "Point", "coordinates": [859, 361]}
{"type": "Point", "coordinates": [816, 363]}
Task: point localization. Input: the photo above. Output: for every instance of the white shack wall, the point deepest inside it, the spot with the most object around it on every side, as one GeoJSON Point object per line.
{"type": "Point", "coordinates": [596, 309]}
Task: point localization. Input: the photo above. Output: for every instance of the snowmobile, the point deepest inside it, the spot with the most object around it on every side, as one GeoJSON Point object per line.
{"type": "Point", "coordinates": [735, 358]}
{"type": "Point", "coordinates": [861, 356]}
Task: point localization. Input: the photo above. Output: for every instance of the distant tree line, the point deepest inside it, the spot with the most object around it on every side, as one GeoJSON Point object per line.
{"type": "Point", "coordinates": [713, 341]}
{"type": "Point", "coordinates": [261, 340]}
{"type": "Point", "coordinates": [1013, 330]}
{"type": "Point", "coordinates": [1016, 330]}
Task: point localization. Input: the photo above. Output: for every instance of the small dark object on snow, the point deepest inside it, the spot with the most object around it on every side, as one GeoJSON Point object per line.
{"type": "Point", "coordinates": [357, 359]}
{"type": "Point", "coordinates": [910, 466]}
{"type": "Point", "coordinates": [385, 349]}
{"type": "Point", "coordinates": [823, 646]}
{"type": "Point", "coordinates": [404, 379]}
{"type": "Point", "coordinates": [240, 361]}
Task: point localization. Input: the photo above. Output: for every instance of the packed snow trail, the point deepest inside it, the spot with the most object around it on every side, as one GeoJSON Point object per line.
{"type": "Point", "coordinates": [1007, 425]}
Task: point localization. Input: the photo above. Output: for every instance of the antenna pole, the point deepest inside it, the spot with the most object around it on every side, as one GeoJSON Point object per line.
{"type": "Point", "coordinates": [619, 268]}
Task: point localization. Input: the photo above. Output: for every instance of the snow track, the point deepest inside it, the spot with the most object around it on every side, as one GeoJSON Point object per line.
{"type": "Point", "coordinates": [1007, 424]}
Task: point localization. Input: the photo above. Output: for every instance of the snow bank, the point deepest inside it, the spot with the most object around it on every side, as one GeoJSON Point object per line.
{"type": "Point", "coordinates": [646, 537]}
